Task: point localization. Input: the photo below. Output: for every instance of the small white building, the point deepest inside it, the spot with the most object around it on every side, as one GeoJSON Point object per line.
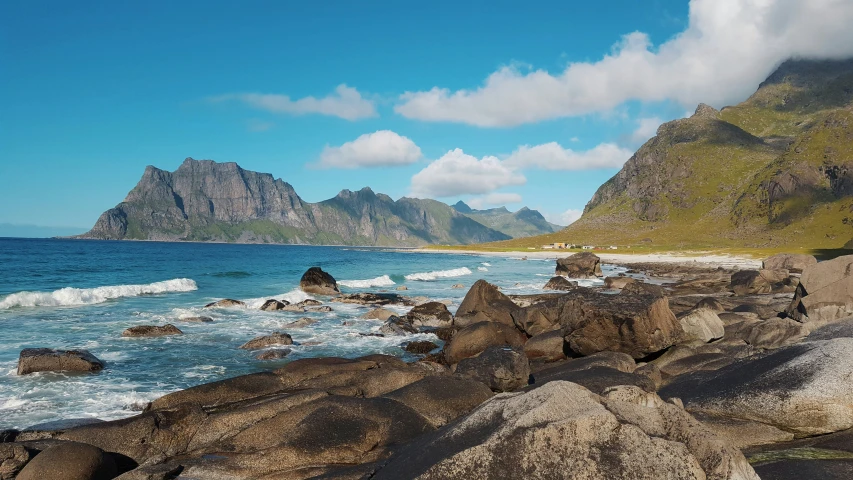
{"type": "Point", "coordinates": [614, 247]}
{"type": "Point", "coordinates": [588, 247]}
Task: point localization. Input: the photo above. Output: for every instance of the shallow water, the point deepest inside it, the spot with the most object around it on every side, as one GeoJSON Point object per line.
{"type": "Point", "coordinates": [83, 294]}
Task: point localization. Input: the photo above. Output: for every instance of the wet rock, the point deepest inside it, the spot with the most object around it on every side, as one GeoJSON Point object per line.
{"type": "Point", "coordinates": [397, 326]}
{"type": "Point", "coordinates": [70, 460]}
{"type": "Point", "coordinates": [301, 323]}
{"type": "Point", "coordinates": [794, 263]}
{"type": "Point", "coordinates": [825, 292]}
{"type": "Point", "coordinates": [268, 340]}
{"type": "Point", "coordinates": [579, 265]}
{"type": "Point", "coordinates": [617, 283]}
{"type": "Point", "coordinates": [473, 339]}
{"type": "Point", "coordinates": [484, 303]}
{"type": "Point", "coordinates": [442, 399]}
{"type": "Point", "coordinates": [502, 368]}
{"type": "Point", "coordinates": [309, 302]}
{"type": "Point", "coordinates": [701, 324]}
{"type": "Point", "coordinates": [321, 309]}
{"type": "Point", "coordinates": [457, 286]}
{"type": "Point", "coordinates": [225, 303]}
{"type": "Point", "coordinates": [754, 282]}
{"type": "Point", "coordinates": [201, 319]}
{"type": "Point", "coordinates": [401, 288]}
{"type": "Point", "coordinates": [430, 314]}
{"type": "Point", "coordinates": [316, 281]}
{"type": "Point", "coordinates": [370, 299]}
{"type": "Point", "coordinates": [34, 360]}
{"type": "Point", "coordinates": [379, 314]}
{"type": "Point", "coordinates": [293, 308]}
{"type": "Point", "coordinates": [13, 457]}
{"type": "Point", "coordinates": [273, 305]}
{"type": "Point", "coordinates": [560, 283]}
{"type": "Point", "coordinates": [275, 354]}
{"type": "Point", "coordinates": [546, 347]}
{"type": "Point", "coordinates": [420, 347]}
{"type": "Point", "coordinates": [151, 331]}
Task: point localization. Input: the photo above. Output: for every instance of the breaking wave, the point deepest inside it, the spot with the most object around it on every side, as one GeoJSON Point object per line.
{"type": "Point", "coordinates": [89, 296]}
{"type": "Point", "coordinates": [383, 281]}
{"type": "Point", "coordinates": [429, 276]}
{"type": "Point", "coordinates": [482, 269]}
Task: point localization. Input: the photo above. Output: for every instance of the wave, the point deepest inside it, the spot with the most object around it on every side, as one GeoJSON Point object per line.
{"type": "Point", "coordinates": [486, 264]}
{"type": "Point", "coordinates": [482, 269]}
{"type": "Point", "coordinates": [383, 281]}
{"type": "Point", "coordinates": [294, 296]}
{"type": "Point", "coordinates": [429, 276]}
{"type": "Point", "coordinates": [88, 296]}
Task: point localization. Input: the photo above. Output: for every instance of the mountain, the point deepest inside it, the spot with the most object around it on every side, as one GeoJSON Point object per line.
{"type": "Point", "coordinates": [208, 201]}
{"type": "Point", "coordinates": [775, 171]}
{"type": "Point", "coordinates": [523, 223]}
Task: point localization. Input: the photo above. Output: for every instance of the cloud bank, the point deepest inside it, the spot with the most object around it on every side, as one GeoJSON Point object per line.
{"type": "Point", "coordinates": [383, 148]}
{"type": "Point", "coordinates": [346, 102]}
{"type": "Point", "coordinates": [457, 173]}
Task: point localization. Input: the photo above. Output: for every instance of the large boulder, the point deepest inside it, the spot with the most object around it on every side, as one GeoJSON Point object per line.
{"type": "Point", "coordinates": [594, 322]}
{"type": "Point", "coordinates": [430, 314]}
{"type": "Point", "coordinates": [643, 288]}
{"type": "Point", "coordinates": [276, 338]}
{"type": "Point", "coordinates": [595, 378]}
{"type": "Point", "coordinates": [316, 281]}
{"type": "Point", "coordinates": [560, 283]}
{"type": "Point", "coordinates": [378, 314]}
{"type": "Point", "coordinates": [13, 457]}
{"type": "Point", "coordinates": [702, 324]}
{"type": "Point", "coordinates": [396, 326]}
{"type": "Point", "coordinates": [70, 461]}
{"type": "Point", "coordinates": [225, 303]}
{"type": "Point", "coordinates": [272, 305]}
{"type": "Point", "coordinates": [617, 283]}
{"type": "Point", "coordinates": [442, 399]}
{"type": "Point", "coordinates": [473, 339]}
{"type": "Point", "coordinates": [152, 331]}
{"type": "Point", "coordinates": [48, 360]}
{"type": "Point", "coordinates": [564, 430]}
{"type": "Point", "coordinates": [579, 265]}
{"type": "Point", "coordinates": [484, 302]}
{"type": "Point", "coordinates": [754, 282]}
{"type": "Point", "coordinates": [804, 389]}
{"type": "Point", "coordinates": [546, 347]}
{"type": "Point", "coordinates": [502, 368]}
{"type": "Point", "coordinates": [825, 292]}
{"type": "Point", "coordinates": [792, 262]}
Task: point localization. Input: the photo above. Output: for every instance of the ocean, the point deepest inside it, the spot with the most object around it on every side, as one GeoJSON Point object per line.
{"type": "Point", "coordinates": [74, 294]}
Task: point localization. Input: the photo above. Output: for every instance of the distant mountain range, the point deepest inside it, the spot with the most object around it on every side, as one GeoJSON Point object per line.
{"type": "Point", "coordinates": [220, 202]}
{"type": "Point", "coordinates": [775, 171]}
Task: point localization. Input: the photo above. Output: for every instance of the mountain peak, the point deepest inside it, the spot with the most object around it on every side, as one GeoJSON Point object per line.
{"type": "Point", "coordinates": [462, 207]}
{"type": "Point", "coordinates": [706, 111]}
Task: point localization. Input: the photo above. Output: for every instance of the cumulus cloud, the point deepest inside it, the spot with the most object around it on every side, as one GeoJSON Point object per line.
{"type": "Point", "coordinates": [494, 200]}
{"type": "Point", "coordinates": [727, 49]}
{"type": "Point", "coordinates": [563, 218]}
{"type": "Point", "coordinates": [346, 102]}
{"type": "Point", "coordinates": [457, 173]}
{"type": "Point", "coordinates": [646, 129]}
{"type": "Point", "coordinates": [552, 156]}
{"type": "Point", "coordinates": [382, 148]}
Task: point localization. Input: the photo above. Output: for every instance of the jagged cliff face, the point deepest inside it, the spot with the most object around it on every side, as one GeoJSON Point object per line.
{"type": "Point", "coordinates": [775, 170]}
{"type": "Point", "coordinates": [208, 201]}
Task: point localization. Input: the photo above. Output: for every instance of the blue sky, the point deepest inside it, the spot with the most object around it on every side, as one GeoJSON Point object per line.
{"type": "Point", "coordinates": [533, 103]}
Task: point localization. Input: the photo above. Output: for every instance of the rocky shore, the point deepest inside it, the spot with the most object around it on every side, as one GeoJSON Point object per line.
{"type": "Point", "coordinates": [671, 371]}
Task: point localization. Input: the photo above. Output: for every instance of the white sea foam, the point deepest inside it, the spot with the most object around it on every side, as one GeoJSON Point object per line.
{"type": "Point", "coordinates": [294, 296]}
{"type": "Point", "coordinates": [383, 281]}
{"type": "Point", "coordinates": [486, 264]}
{"type": "Point", "coordinates": [429, 276]}
{"type": "Point", "coordinates": [482, 269]}
{"type": "Point", "coordinates": [89, 296]}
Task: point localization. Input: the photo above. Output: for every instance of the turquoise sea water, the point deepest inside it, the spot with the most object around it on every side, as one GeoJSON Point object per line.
{"type": "Point", "coordinates": [82, 294]}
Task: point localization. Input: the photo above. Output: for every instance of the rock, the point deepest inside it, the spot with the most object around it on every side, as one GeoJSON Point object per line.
{"type": "Point", "coordinates": [560, 283]}
{"type": "Point", "coordinates": [268, 340]}
{"type": "Point", "coordinates": [484, 303]}
{"type": "Point", "coordinates": [652, 372]}
{"type": "Point", "coordinates": [321, 309]}
{"type": "Point", "coordinates": [457, 285]}
{"type": "Point", "coordinates": [301, 323]}
{"type": "Point", "coordinates": [710, 303]}
{"type": "Point", "coordinates": [768, 334]}
{"type": "Point", "coordinates": [825, 292]}
{"type": "Point", "coordinates": [225, 302]}
{"type": "Point", "coordinates": [273, 305]}
{"type": "Point", "coordinates": [13, 457]}
{"type": "Point", "coordinates": [430, 314]}
{"type": "Point", "coordinates": [473, 339]}
{"type": "Point", "coordinates": [316, 281]}
{"type": "Point", "coordinates": [370, 298]}
{"type": "Point", "coordinates": [546, 347]}
{"type": "Point", "coordinates": [596, 378]}
{"type": "Point", "coordinates": [309, 302]}
{"type": "Point", "coordinates": [293, 308]}
{"type": "Point", "coordinates": [420, 347]}
{"type": "Point", "coordinates": [617, 283]}
{"type": "Point", "coordinates": [753, 282]}
{"type": "Point", "coordinates": [594, 322]}
{"type": "Point", "coordinates": [401, 288]}
{"type": "Point", "coordinates": [643, 288]}
{"type": "Point", "coordinates": [742, 433]}
{"type": "Point", "coordinates": [794, 263]}
{"type": "Point", "coordinates": [615, 360]}
{"type": "Point", "coordinates": [221, 392]}
{"type": "Point", "coordinates": [154, 471]}
{"type": "Point", "coordinates": [275, 354]}
{"type": "Point", "coordinates": [702, 324]}
{"type": "Point", "coordinates": [72, 461]}
{"type": "Point", "coordinates": [826, 457]}
{"type": "Point", "coordinates": [502, 368]}
{"type": "Point", "coordinates": [48, 360]}
{"type": "Point", "coordinates": [442, 399]}
{"type": "Point", "coordinates": [201, 319]}
{"type": "Point", "coordinates": [579, 265]}
{"type": "Point", "coordinates": [8, 435]}
{"type": "Point", "coordinates": [804, 389]}
{"type": "Point", "coordinates": [564, 430]}
{"type": "Point", "coordinates": [397, 326]}
{"type": "Point", "coordinates": [151, 331]}
{"type": "Point", "coordinates": [378, 314]}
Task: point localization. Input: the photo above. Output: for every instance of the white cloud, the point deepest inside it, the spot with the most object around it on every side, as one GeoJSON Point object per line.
{"type": "Point", "coordinates": [563, 218]}
{"type": "Point", "coordinates": [494, 200]}
{"type": "Point", "coordinates": [646, 129]}
{"type": "Point", "coordinates": [378, 149]}
{"type": "Point", "coordinates": [552, 156]}
{"type": "Point", "coordinates": [346, 102]}
{"type": "Point", "coordinates": [728, 47]}
{"type": "Point", "coordinates": [457, 173]}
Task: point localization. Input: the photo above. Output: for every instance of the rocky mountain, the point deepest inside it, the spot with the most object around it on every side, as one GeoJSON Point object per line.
{"type": "Point", "coordinates": [208, 201]}
{"type": "Point", "coordinates": [774, 171]}
{"type": "Point", "coordinates": [523, 223]}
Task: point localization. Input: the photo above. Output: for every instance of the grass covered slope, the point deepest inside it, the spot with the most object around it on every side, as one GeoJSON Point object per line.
{"type": "Point", "coordinates": [522, 223]}
{"type": "Point", "coordinates": [774, 172]}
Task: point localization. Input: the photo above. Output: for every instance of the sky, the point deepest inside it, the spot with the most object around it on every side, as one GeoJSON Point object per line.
{"type": "Point", "coordinates": [492, 102]}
